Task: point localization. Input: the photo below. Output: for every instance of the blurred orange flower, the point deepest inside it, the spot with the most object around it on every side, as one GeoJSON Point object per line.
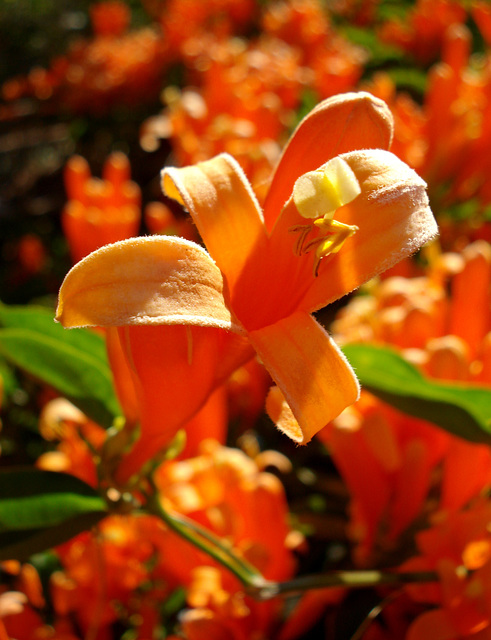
{"type": "Point", "coordinates": [115, 67]}
{"type": "Point", "coordinates": [123, 569]}
{"type": "Point", "coordinates": [458, 547]}
{"type": "Point", "coordinates": [78, 438]}
{"type": "Point", "coordinates": [99, 211]}
{"type": "Point", "coordinates": [421, 32]}
{"type": "Point", "coordinates": [426, 318]}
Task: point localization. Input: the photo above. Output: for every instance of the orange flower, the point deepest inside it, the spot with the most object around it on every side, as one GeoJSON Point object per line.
{"type": "Point", "coordinates": [427, 319]}
{"type": "Point", "coordinates": [247, 95]}
{"type": "Point", "coordinates": [331, 63]}
{"type": "Point", "coordinates": [17, 618]}
{"type": "Point", "coordinates": [422, 31]}
{"type": "Point", "coordinates": [96, 75]}
{"type": "Point", "coordinates": [107, 565]}
{"type": "Point", "coordinates": [387, 461]}
{"type": "Point", "coordinates": [110, 18]}
{"type": "Point", "coordinates": [225, 491]}
{"type": "Point", "coordinates": [333, 217]}
{"type": "Point", "coordinates": [78, 438]}
{"type": "Point", "coordinates": [123, 569]}
{"type": "Point", "coordinates": [99, 211]}
{"type": "Point", "coordinates": [185, 19]}
{"type": "Point", "coordinates": [159, 218]}
{"type": "Point", "coordinates": [446, 139]}
{"type": "Point", "coordinates": [458, 547]}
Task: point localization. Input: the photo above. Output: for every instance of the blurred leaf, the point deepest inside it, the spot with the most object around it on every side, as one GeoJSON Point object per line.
{"type": "Point", "coordinates": [8, 383]}
{"type": "Point", "coordinates": [461, 409]}
{"type": "Point", "coordinates": [380, 53]}
{"type": "Point", "coordinates": [174, 603]}
{"type": "Point", "coordinates": [393, 9]}
{"type": "Point", "coordinates": [409, 79]}
{"type": "Point", "coordinates": [469, 209]}
{"type": "Point", "coordinates": [308, 100]}
{"type": "Point", "coordinates": [46, 563]}
{"type": "Point", "coordinates": [42, 321]}
{"type": "Point", "coordinates": [77, 374]}
{"type": "Point", "coordinates": [41, 509]}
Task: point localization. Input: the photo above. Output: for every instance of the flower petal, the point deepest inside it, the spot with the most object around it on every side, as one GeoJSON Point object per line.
{"type": "Point", "coordinates": [220, 199]}
{"type": "Point", "coordinates": [432, 625]}
{"type": "Point", "coordinates": [310, 370]}
{"type": "Point", "coordinates": [394, 220]}
{"type": "Point", "coordinates": [122, 378]}
{"type": "Point", "coordinates": [337, 125]}
{"type": "Point", "coordinates": [175, 369]}
{"type": "Point", "coordinates": [210, 422]}
{"type": "Point", "coordinates": [152, 280]}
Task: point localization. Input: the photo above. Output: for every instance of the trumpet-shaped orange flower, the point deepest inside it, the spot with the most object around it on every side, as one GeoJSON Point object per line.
{"type": "Point", "coordinates": [458, 547]}
{"type": "Point", "coordinates": [99, 211]}
{"type": "Point", "coordinates": [422, 31]}
{"type": "Point", "coordinates": [333, 217]}
{"type": "Point", "coordinates": [78, 437]}
{"type": "Point", "coordinates": [427, 319]}
{"type": "Point", "coordinates": [115, 67]}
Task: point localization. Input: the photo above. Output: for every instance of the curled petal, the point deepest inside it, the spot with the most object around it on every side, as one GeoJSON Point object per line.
{"type": "Point", "coordinates": [394, 220]}
{"type": "Point", "coordinates": [309, 369]}
{"type": "Point", "coordinates": [221, 201]}
{"type": "Point", "coordinates": [337, 125]}
{"type": "Point", "coordinates": [145, 281]}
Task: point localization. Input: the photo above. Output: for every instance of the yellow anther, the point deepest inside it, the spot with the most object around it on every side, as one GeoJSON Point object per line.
{"type": "Point", "coordinates": [317, 194]}
{"type": "Point", "coordinates": [338, 233]}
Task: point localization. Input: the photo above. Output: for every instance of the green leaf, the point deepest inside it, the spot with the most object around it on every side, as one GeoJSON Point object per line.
{"type": "Point", "coordinates": [394, 9]}
{"type": "Point", "coordinates": [308, 99]}
{"type": "Point", "coordinates": [7, 377]}
{"type": "Point", "coordinates": [41, 320]}
{"type": "Point", "coordinates": [409, 79]}
{"type": "Point", "coordinates": [41, 509]}
{"type": "Point", "coordinates": [73, 361]}
{"type": "Point", "coordinates": [81, 377]}
{"type": "Point", "coordinates": [461, 409]}
{"type": "Point", "coordinates": [380, 52]}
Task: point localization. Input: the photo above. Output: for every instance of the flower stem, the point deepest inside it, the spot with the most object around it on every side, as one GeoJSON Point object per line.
{"type": "Point", "coordinates": [255, 584]}
{"type": "Point", "coordinates": [206, 541]}
{"type": "Point", "coordinates": [342, 579]}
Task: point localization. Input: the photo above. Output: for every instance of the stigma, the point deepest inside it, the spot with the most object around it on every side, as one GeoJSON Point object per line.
{"type": "Point", "coordinates": [317, 195]}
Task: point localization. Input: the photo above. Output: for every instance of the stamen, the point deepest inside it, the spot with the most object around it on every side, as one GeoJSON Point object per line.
{"type": "Point", "coordinates": [325, 245]}
{"type": "Point", "coordinates": [317, 195]}
{"type": "Point", "coordinates": [333, 242]}
{"type": "Point", "coordinates": [313, 243]}
{"type": "Point", "coordinates": [304, 230]}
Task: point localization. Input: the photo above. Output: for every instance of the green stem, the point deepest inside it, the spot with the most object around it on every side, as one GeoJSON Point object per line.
{"type": "Point", "coordinates": [342, 579]}
{"type": "Point", "coordinates": [207, 542]}
{"type": "Point", "coordinates": [253, 581]}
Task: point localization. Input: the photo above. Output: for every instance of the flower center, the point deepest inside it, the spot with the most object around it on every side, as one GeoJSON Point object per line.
{"type": "Point", "coordinates": [317, 195]}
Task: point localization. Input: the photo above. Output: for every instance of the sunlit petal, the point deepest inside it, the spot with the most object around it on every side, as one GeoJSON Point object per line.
{"type": "Point", "coordinates": [310, 370]}
{"type": "Point", "coordinates": [218, 196]}
{"type": "Point", "coordinates": [393, 218]}
{"type": "Point", "coordinates": [337, 125]}
{"type": "Point", "coordinates": [145, 281]}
